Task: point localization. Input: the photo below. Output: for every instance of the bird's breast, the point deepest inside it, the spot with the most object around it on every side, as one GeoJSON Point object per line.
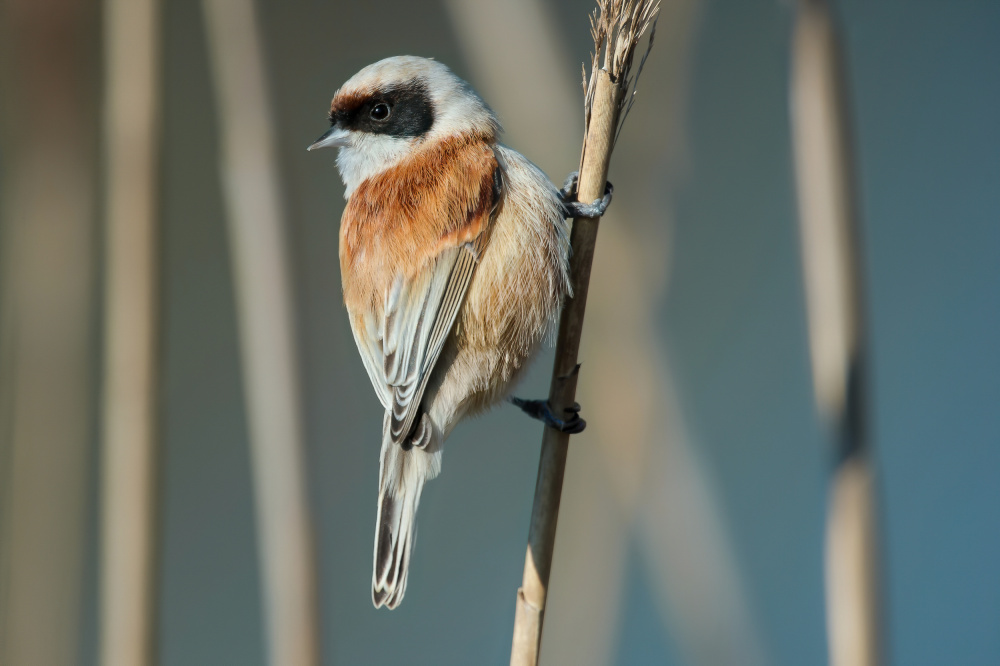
{"type": "Point", "coordinates": [399, 221]}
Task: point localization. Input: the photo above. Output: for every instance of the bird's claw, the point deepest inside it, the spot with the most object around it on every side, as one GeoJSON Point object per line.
{"type": "Point", "coordinates": [568, 190]}
{"type": "Point", "coordinates": [574, 208]}
{"type": "Point", "coordinates": [541, 410]}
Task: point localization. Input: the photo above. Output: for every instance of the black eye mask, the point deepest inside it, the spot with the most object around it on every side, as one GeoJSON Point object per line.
{"type": "Point", "coordinates": [411, 113]}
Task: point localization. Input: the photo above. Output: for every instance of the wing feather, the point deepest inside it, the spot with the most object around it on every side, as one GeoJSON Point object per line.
{"type": "Point", "coordinates": [419, 315]}
{"type": "Point", "coordinates": [409, 321]}
{"type": "Point", "coordinates": [401, 344]}
{"type": "Point", "coordinates": [369, 342]}
{"type": "Point", "coordinates": [459, 266]}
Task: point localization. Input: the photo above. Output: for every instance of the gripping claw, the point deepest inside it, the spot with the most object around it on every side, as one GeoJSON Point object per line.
{"type": "Point", "coordinates": [541, 410]}
{"type": "Point", "coordinates": [574, 208]}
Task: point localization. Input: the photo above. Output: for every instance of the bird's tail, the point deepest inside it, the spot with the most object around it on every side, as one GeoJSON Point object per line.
{"type": "Point", "coordinates": [402, 475]}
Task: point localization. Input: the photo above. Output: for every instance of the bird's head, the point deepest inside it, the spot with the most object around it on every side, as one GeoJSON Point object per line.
{"type": "Point", "coordinates": [394, 107]}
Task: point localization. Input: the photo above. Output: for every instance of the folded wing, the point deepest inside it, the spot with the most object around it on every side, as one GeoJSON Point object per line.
{"type": "Point", "coordinates": [401, 342]}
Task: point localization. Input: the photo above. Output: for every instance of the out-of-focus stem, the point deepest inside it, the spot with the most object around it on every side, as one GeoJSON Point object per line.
{"type": "Point", "coordinates": [46, 310]}
{"type": "Point", "coordinates": [128, 484]}
{"type": "Point", "coordinates": [266, 326]}
{"type": "Point", "coordinates": [831, 266]}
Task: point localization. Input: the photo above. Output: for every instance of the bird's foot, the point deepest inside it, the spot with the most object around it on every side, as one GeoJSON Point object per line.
{"type": "Point", "coordinates": [573, 208]}
{"type": "Point", "coordinates": [540, 409]}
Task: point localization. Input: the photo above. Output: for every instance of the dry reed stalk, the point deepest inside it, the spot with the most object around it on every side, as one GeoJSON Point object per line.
{"type": "Point", "coordinates": [264, 305]}
{"type": "Point", "coordinates": [46, 325]}
{"type": "Point", "coordinates": [128, 484]}
{"type": "Point", "coordinates": [831, 267]}
{"type": "Point", "coordinates": [616, 26]}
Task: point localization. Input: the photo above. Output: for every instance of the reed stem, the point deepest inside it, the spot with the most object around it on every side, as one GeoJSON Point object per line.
{"type": "Point", "coordinates": [834, 297]}
{"type": "Point", "coordinates": [618, 28]}
{"type": "Point", "coordinates": [129, 441]}
{"type": "Point", "coordinates": [266, 317]}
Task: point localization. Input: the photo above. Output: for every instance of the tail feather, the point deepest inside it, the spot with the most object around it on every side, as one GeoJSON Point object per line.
{"type": "Point", "coordinates": [402, 476]}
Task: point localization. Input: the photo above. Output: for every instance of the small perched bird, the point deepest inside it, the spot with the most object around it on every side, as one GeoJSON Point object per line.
{"type": "Point", "coordinates": [454, 254]}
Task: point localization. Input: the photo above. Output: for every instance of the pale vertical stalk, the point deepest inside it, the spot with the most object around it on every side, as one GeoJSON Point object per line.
{"type": "Point", "coordinates": [831, 267]}
{"type": "Point", "coordinates": [637, 472]}
{"type": "Point", "coordinates": [531, 596]}
{"type": "Point", "coordinates": [46, 309]}
{"type": "Point", "coordinates": [604, 102]}
{"type": "Point", "coordinates": [128, 483]}
{"type": "Point", "coordinates": [266, 326]}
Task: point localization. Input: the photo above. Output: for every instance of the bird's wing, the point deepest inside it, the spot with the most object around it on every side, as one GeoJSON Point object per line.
{"type": "Point", "coordinates": [400, 348]}
{"type": "Point", "coordinates": [419, 315]}
{"type": "Point", "coordinates": [368, 336]}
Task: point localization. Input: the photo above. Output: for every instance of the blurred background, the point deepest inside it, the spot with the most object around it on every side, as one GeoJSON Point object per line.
{"type": "Point", "coordinates": [694, 510]}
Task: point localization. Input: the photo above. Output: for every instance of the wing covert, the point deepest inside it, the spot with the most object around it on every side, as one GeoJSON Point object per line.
{"type": "Point", "coordinates": [401, 331]}
{"type": "Point", "coordinates": [417, 327]}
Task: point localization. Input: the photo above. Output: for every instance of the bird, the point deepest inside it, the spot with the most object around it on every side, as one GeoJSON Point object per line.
{"type": "Point", "coordinates": [454, 258]}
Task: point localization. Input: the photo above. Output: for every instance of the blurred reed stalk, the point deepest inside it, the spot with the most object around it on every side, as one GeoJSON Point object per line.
{"type": "Point", "coordinates": [46, 324]}
{"type": "Point", "coordinates": [616, 26]}
{"type": "Point", "coordinates": [129, 455]}
{"type": "Point", "coordinates": [832, 270]}
{"type": "Point", "coordinates": [266, 319]}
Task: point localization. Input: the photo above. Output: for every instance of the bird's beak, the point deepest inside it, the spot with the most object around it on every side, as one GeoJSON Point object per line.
{"type": "Point", "coordinates": [335, 137]}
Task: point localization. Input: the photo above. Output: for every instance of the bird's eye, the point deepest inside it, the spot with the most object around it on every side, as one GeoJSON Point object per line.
{"type": "Point", "coordinates": [380, 111]}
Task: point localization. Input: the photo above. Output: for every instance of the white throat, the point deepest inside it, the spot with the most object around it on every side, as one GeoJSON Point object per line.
{"type": "Point", "coordinates": [367, 155]}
